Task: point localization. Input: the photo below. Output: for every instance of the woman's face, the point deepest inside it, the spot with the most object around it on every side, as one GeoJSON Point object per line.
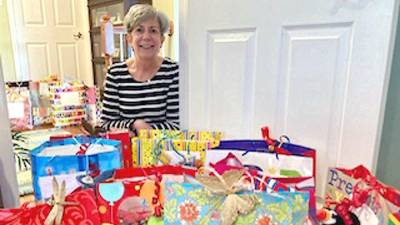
{"type": "Point", "coordinates": [146, 39]}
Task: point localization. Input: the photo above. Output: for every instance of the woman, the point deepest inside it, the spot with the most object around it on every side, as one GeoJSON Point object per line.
{"type": "Point", "coordinates": [142, 92]}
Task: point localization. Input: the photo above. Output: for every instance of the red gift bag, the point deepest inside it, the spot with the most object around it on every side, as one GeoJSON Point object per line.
{"type": "Point", "coordinates": [367, 190]}
{"type": "Point", "coordinates": [135, 194]}
{"type": "Point", "coordinates": [84, 212]}
{"type": "Point", "coordinates": [126, 146]}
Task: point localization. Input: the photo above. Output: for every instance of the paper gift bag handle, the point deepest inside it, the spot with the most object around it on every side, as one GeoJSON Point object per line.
{"type": "Point", "coordinates": [266, 137]}
{"type": "Point", "coordinates": [272, 142]}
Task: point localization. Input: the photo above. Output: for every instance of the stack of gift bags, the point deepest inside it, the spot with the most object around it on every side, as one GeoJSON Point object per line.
{"type": "Point", "coordinates": [36, 107]}
{"type": "Point", "coordinates": [32, 104]}
{"type": "Point", "coordinates": [159, 177]}
{"type": "Point", "coordinates": [193, 177]}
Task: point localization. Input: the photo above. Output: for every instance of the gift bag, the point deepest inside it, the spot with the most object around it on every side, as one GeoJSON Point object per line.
{"type": "Point", "coordinates": [41, 106]}
{"type": "Point", "coordinates": [172, 147]}
{"type": "Point", "coordinates": [23, 143]}
{"type": "Point", "coordinates": [19, 105]}
{"type": "Point", "coordinates": [231, 162]}
{"type": "Point", "coordinates": [181, 134]}
{"type": "Point", "coordinates": [135, 194]}
{"type": "Point", "coordinates": [92, 106]}
{"type": "Point", "coordinates": [126, 146]}
{"type": "Point", "coordinates": [69, 158]}
{"type": "Point", "coordinates": [175, 152]}
{"type": "Point", "coordinates": [79, 208]}
{"type": "Point", "coordinates": [394, 218]}
{"type": "Point", "coordinates": [68, 103]}
{"type": "Point", "coordinates": [216, 202]}
{"type": "Point", "coordinates": [358, 192]}
{"type": "Point", "coordinates": [291, 164]}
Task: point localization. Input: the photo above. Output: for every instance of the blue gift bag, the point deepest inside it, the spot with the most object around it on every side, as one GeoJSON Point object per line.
{"type": "Point", "coordinates": [73, 156]}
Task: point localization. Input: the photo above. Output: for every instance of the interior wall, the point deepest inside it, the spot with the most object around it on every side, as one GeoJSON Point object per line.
{"type": "Point", "coordinates": [167, 6]}
{"type": "Point", "coordinates": [388, 166]}
{"type": "Point", "coordinates": [6, 50]}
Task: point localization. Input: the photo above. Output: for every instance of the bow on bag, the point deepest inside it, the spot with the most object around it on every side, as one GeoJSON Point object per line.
{"type": "Point", "coordinates": [361, 194]}
{"type": "Point", "coordinates": [56, 213]}
{"type": "Point", "coordinates": [229, 184]}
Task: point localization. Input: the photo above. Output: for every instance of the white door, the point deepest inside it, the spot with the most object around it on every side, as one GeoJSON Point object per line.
{"type": "Point", "coordinates": [51, 36]}
{"type": "Point", "coordinates": [314, 70]}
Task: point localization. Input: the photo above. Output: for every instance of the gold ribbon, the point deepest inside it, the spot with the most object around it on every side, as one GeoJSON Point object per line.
{"type": "Point", "coordinates": [56, 213]}
{"type": "Point", "coordinates": [229, 184]}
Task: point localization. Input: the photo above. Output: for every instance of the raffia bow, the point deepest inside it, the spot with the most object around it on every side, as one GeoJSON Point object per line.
{"type": "Point", "coordinates": [229, 184]}
{"type": "Point", "coordinates": [56, 213]}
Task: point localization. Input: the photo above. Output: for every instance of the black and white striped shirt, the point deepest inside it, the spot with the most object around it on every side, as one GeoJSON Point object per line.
{"type": "Point", "coordinates": [156, 101]}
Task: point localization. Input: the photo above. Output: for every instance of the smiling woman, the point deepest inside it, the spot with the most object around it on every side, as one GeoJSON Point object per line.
{"type": "Point", "coordinates": [143, 91]}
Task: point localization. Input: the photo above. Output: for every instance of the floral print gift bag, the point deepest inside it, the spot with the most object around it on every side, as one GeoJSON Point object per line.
{"type": "Point", "coordinates": [213, 202]}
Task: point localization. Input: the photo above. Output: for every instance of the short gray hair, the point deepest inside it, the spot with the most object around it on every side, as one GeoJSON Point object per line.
{"type": "Point", "coordinates": [141, 12]}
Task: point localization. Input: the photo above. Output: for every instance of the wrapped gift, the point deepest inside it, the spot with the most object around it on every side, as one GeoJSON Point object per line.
{"type": "Point", "coordinates": [77, 208]}
{"type": "Point", "coordinates": [19, 105]}
{"type": "Point", "coordinates": [73, 156]}
{"type": "Point", "coordinates": [220, 200]}
{"type": "Point", "coordinates": [68, 103]}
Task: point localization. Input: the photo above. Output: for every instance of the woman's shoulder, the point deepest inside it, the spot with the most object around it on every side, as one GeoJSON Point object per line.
{"type": "Point", "coordinates": [117, 67]}
{"type": "Point", "coordinates": [168, 62]}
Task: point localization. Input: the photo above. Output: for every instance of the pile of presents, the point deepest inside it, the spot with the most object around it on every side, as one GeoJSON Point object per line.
{"type": "Point", "coordinates": [51, 101]}
{"type": "Point", "coordinates": [194, 177]}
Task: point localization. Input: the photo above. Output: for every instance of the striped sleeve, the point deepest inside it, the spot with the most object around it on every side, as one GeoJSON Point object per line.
{"type": "Point", "coordinates": [110, 114]}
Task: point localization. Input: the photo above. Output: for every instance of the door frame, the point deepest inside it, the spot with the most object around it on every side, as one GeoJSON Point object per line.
{"type": "Point", "coordinates": [388, 73]}
{"type": "Point", "coordinates": [183, 65]}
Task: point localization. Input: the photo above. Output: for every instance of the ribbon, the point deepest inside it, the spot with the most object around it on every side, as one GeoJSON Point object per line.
{"type": "Point", "coordinates": [229, 184]}
{"type": "Point", "coordinates": [58, 202]}
{"type": "Point", "coordinates": [361, 194]}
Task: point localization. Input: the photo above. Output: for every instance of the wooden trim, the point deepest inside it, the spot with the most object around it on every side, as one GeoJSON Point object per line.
{"type": "Point", "coordinates": [101, 3]}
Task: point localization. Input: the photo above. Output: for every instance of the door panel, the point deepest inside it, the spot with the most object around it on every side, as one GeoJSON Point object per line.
{"type": "Point", "coordinates": [38, 59]}
{"type": "Point", "coordinates": [64, 13]}
{"type": "Point", "coordinates": [230, 79]}
{"type": "Point", "coordinates": [312, 87]}
{"type": "Point", "coordinates": [33, 13]}
{"type": "Point", "coordinates": [68, 59]}
{"type": "Point", "coordinates": [316, 71]}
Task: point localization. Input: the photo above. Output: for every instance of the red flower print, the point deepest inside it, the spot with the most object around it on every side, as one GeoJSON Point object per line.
{"type": "Point", "coordinates": [188, 212]}
{"type": "Point", "coordinates": [264, 220]}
